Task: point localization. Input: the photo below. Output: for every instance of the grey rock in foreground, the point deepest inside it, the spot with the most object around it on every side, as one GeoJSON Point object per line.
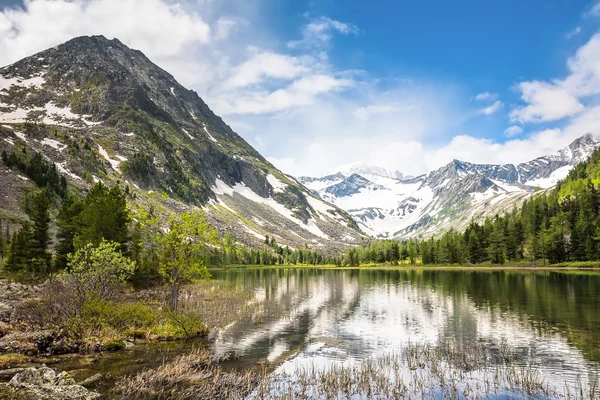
{"type": "Point", "coordinates": [45, 383]}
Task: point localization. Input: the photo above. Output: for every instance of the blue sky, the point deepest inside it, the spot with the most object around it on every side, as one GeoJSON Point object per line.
{"type": "Point", "coordinates": [314, 85]}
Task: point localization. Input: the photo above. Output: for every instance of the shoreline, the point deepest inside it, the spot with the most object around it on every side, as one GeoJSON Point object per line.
{"type": "Point", "coordinates": [595, 267]}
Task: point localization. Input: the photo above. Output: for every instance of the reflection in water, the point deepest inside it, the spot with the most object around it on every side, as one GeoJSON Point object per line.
{"type": "Point", "coordinates": [346, 316]}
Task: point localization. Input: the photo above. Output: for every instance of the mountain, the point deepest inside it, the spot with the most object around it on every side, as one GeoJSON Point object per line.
{"type": "Point", "coordinates": [450, 197]}
{"type": "Point", "coordinates": [100, 111]}
{"type": "Point", "coordinates": [371, 171]}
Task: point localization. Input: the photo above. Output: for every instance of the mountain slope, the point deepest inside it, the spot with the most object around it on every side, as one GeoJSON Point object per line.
{"type": "Point", "coordinates": [101, 111]}
{"type": "Point", "coordinates": [449, 197]}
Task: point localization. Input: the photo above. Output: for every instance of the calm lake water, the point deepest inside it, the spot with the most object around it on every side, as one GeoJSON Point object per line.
{"type": "Point", "coordinates": [345, 316]}
{"type": "Point", "coordinates": [552, 319]}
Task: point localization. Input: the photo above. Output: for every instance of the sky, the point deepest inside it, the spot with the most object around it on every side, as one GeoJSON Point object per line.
{"type": "Point", "coordinates": [315, 85]}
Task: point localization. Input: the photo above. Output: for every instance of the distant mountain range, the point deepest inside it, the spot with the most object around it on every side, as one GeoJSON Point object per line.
{"type": "Point", "coordinates": [387, 204]}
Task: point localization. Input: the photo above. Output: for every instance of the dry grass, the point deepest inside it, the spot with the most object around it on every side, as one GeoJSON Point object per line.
{"type": "Point", "coordinates": [423, 372]}
{"type": "Point", "coordinates": [11, 360]}
{"type": "Point", "coordinates": [192, 376]}
{"type": "Point", "coordinates": [417, 372]}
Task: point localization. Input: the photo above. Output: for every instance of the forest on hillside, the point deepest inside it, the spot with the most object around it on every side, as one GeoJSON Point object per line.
{"type": "Point", "coordinates": [556, 226]}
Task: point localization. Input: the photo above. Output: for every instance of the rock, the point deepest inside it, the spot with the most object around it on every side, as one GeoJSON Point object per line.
{"type": "Point", "coordinates": [30, 343]}
{"type": "Point", "coordinates": [9, 373]}
{"type": "Point", "coordinates": [91, 380]}
{"type": "Point", "coordinates": [45, 383]}
{"type": "Point", "coordinates": [213, 334]}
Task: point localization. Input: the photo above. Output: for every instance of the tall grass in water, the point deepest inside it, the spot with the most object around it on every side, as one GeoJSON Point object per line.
{"type": "Point", "coordinates": [415, 372]}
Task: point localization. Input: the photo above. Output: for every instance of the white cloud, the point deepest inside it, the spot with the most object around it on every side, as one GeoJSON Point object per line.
{"type": "Point", "coordinates": [576, 31]}
{"type": "Point", "coordinates": [486, 96]}
{"type": "Point", "coordinates": [492, 109]}
{"type": "Point", "coordinates": [225, 26]}
{"type": "Point", "coordinates": [44, 23]}
{"type": "Point", "coordinates": [547, 102]}
{"type": "Point", "coordinates": [367, 112]}
{"type": "Point", "coordinates": [301, 92]}
{"type": "Point", "coordinates": [513, 131]}
{"type": "Point", "coordinates": [594, 10]}
{"type": "Point", "coordinates": [414, 157]}
{"type": "Point", "coordinates": [320, 31]}
{"type": "Point", "coordinates": [266, 65]}
{"type": "Point", "coordinates": [560, 98]}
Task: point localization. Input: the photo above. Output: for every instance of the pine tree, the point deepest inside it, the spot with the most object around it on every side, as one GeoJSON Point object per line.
{"type": "Point", "coordinates": [19, 253]}
{"type": "Point", "coordinates": [104, 216]}
{"type": "Point", "coordinates": [68, 228]}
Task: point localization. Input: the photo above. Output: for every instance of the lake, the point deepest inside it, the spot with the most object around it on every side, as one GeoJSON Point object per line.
{"type": "Point", "coordinates": [549, 320]}
{"type": "Point", "coordinates": [440, 333]}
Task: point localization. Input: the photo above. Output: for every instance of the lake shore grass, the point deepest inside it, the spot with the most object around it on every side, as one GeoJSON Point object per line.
{"type": "Point", "coordinates": [448, 370]}
{"type": "Point", "coordinates": [138, 317]}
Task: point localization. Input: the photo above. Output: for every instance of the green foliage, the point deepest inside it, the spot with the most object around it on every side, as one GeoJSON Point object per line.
{"type": "Point", "coordinates": [140, 168]}
{"type": "Point", "coordinates": [68, 227]}
{"type": "Point", "coordinates": [181, 252]}
{"type": "Point", "coordinates": [104, 215]}
{"type": "Point", "coordinates": [42, 173]}
{"type": "Point", "coordinates": [98, 272]}
{"type": "Point", "coordinates": [99, 314]}
{"type": "Point", "coordinates": [28, 252]}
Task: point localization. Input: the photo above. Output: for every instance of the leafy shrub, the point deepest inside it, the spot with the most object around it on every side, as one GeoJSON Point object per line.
{"type": "Point", "coordinates": [98, 272]}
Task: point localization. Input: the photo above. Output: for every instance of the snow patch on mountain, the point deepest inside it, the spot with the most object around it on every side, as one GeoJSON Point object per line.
{"type": "Point", "coordinates": [221, 188]}
{"type": "Point", "coordinates": [386, 204]}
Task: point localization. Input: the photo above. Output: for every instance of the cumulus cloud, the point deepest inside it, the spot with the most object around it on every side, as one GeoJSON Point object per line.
{"type": "Point", "coordinates": [492, 109]}
{"type": "Point", "coordinates": [40, 24]}
{"type": "Point", "coordinates": [415, 157]}
{"type": "Point", "coordinates": [513, 131]}
{"type": "Point", "coordinates": [547, 102]}
{"type": "Point", "coordinates": [560, 98]}
{"type": "Point", "coordinates": [301, 92]}
{"type": "Point", "coordinates": [266, 65]}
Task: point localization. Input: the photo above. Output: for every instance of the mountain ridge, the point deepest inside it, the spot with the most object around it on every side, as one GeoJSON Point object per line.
{"type": "Point", "coordinates": [450, 196]}
{"type": "Point", "coordinates": [98, 110]}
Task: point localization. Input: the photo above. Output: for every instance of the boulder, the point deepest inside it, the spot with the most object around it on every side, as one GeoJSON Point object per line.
{"type": "Point", "coordinates": [45, 383]}
{"type": "Point", "coordinates": [92, 380]}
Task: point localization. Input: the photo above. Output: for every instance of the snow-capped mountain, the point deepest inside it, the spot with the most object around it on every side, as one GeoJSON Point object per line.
{"type": "Point", "coordinates": [97, 110]}
{"type": "Point", "coordinates": [370, 171]}
{"type": "Point", "coordinates": [390, 205]}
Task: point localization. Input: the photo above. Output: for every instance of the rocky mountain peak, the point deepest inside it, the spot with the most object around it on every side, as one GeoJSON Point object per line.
{"type": "Point", "coordinates": [101, 111]}
{"type": "Point", "coordinates": [367, 171]}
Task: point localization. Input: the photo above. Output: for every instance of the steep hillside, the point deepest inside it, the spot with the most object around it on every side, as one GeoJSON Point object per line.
{"type": "Point", "coordinates": [98, 110]}
{"type": "Point", "coordinates": [449, 197]}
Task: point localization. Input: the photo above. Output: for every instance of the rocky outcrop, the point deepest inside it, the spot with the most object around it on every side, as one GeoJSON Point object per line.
{"type": "Point", "coordinates": [11, 294]}
{"type": "Point", "coordinates": [45, 384]}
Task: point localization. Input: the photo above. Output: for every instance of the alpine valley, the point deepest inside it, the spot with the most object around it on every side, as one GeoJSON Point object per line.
{"type": "Point", "coordinates": [99, 111]}
{"type": "Point", "coordinates": [95, 110]}
{"type": "Point", "coordinates": [387, 204]}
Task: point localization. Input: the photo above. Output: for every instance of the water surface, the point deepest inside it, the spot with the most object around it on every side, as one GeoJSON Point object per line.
{"type": "Point", "coordinates": [552, 319]}
{"type": "Point", "coordinates": [329, 317]}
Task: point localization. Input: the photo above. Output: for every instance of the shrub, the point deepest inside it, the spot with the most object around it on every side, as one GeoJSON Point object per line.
{"type": "Point", "coordinates": [99, 272]}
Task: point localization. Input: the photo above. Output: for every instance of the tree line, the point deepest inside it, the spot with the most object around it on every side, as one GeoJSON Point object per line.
{"type": "Point", "coordinates": [558, 226]}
